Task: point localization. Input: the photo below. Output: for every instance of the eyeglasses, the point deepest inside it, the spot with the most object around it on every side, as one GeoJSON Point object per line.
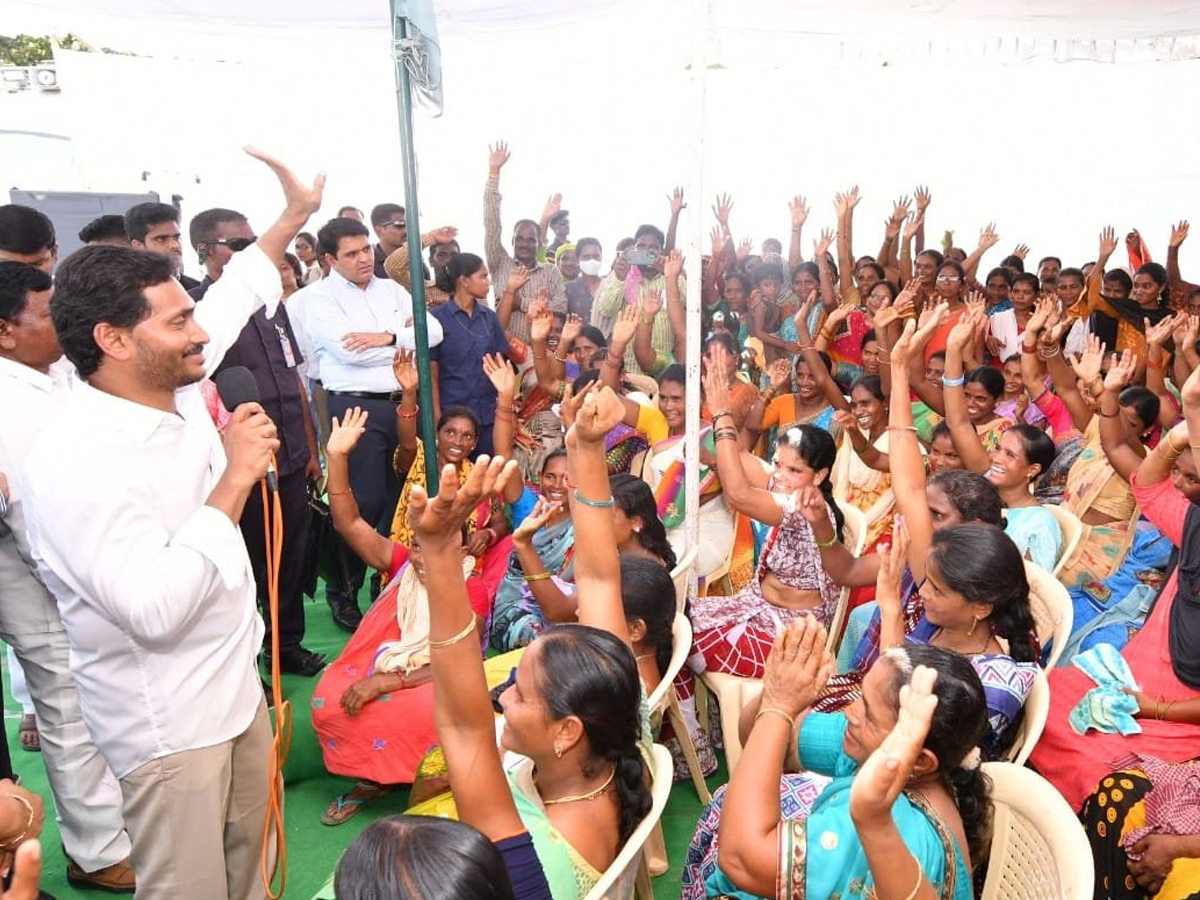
{"type": "Point", "coordinates": [395, 223]}
{"type": "Point", "coordinates": [941, 278]}
{"type": "Point", "coordinates": [237, 245]}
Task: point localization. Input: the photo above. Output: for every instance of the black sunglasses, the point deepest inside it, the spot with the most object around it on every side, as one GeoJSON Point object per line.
{"type": "Point", "coordinates": [501, 688]}
{"type": "Point", "coordinates": [395, 223]}
{"type": "Point", "coordinates": [237, 245]}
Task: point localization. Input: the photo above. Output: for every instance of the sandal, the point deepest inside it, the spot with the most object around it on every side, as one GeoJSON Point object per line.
{"type": "Point", "coordinates": [30, 740]}
{"type": "Point", "coordinates": [347, 806]}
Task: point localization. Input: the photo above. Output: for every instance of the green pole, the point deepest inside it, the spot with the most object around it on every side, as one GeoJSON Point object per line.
{"type": "Point", "coordinates": [408, 153]}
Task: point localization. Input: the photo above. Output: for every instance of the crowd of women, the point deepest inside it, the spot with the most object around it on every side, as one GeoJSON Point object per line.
{"type": "Point", "coordinates": [889, 436]}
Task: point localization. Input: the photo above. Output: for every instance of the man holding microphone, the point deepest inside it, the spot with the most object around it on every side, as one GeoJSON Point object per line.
{"type": "Point", "coordinates": [132, 507]}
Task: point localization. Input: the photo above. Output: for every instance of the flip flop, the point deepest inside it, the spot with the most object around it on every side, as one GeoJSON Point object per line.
{"type": "Point", "coordinates": [30, 740]}
{"type": "Point", "coordinates": [346, 807]}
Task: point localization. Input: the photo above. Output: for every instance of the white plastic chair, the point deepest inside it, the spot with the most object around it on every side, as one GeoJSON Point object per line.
{"type": "Point", "coordinates": [854, 536]}
{"type": "Point", "coordinates": [1037, 710]}
{"type": "Point", "coordinates": [1053, 615]}
{"type": "Point", "coordinates": [680, 574]}
{"type": "Point", "coordinates": [628, 874]}
{"type": "Point", "coordinates": [1039, 848]}
{"type": "Point", "coordinates": [1072, 532]}
{"type": "Point", "coordinates": [665, 702]}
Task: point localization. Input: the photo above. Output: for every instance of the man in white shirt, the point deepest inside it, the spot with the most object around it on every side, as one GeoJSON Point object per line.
{"type": "Point", "coordinates": [132, 507]}
{"type": "Point", "coordinates": [35, 383]}
{"type": "Point", "coordinates": [355, 321]}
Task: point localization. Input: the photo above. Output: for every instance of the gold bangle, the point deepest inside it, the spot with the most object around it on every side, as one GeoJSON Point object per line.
{"type": "Point", "coordinates": [1178, 451]}
{"type": "Point", "coordinates": [462, 635]}
{"type": "Point", "coordinates": [537, 576]}
{"type": "Point", "coordinates": [12, 842]}
{"type": "Point", "coordinates": [920, 877]}
{"type": "Point", "coordinates": [329, 493]}
{"type": "Point", "coordinates": [773, 710]}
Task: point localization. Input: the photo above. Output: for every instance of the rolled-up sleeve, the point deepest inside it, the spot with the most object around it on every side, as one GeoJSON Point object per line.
{"type": "Point", "coordinates": [250, 280]}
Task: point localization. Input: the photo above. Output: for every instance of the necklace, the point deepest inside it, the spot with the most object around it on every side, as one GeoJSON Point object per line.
{"type": "Point", "coordinates": [987, 639]}
{"type": "Point", "coordinates": [590, 795]}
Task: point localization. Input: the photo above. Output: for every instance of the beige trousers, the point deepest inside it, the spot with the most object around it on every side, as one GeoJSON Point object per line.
{"type": "Point", "coordinates": [196, 819]}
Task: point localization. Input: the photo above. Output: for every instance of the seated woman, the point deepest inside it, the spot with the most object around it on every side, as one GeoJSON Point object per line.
{"type": "Point", "coordinates": [1024, 453]}
{"type": "Point", "coordinates": [457, 432]}
{"type": "Point", "coordinates": [775, 413]}
{"type": "Point", "coordinates": [805, 843]}
{"type": "Point", "coordinates": [573, 708]}
{"type": "Point", "coordinates": [372, 710]}
{"type": "Point", "coordinates": [1162, 657]}
{"type": "Point", "coordinates": [734, 634]}
{"type": "Point", "coordinates": [639, 530]}
{"type": "Point", "coordinates": [1016, 404]}
{"type": "Point", "coordinates": [860, 475]}
{"type": "Point", "coordinates": [971, 398]}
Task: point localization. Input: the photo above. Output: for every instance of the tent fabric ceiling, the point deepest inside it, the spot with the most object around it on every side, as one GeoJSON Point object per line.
{"type": "Point", "coordinates": [1067, 27]}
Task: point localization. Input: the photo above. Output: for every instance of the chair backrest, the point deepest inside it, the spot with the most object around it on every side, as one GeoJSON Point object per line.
{"type": "Point", "coordinates": [679, 575]}
{"type": "Point", "coordinates": [854, 536]}
{"type": "Point", "coordinates": [681, 646]}
{"type": "Point", "coordinates": [1072, 531]}
{"type": "Point", "coordinates": [617, 882]}
{"type": "Point", "coordinates": [643, 383]}
{"type": "Point", "coordinates": [1033, 723]}
{"type": "Point", "coordinates": [1039, 848]}
{"type": "Point", "coordinates": [1053, 615]}
{"type": "Point", "coordinates": [638, 467]}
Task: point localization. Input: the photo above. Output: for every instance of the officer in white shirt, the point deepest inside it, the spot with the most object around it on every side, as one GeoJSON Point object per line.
{"type": "Point", "coordinates": [355, 322]}
{"type": "Point", "coordinates": [132, 506]}
{"type": "Point", "coordinates": [35, 384]}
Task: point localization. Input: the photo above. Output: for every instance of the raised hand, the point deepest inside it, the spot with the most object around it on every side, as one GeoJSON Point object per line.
{"type": "Point", "coordinates": [821, 246]}
{"type": "Point", "coordinates": [718, 243]}
{"type": "Point", "coordinates": [887, 771]}
{"type": "Point", "coordinates": [517, 278]}
{"type": "Point", "coordinates": [600, 412]}
{"type": "Point", "coordinates": [404, 367]}
{"type": "Point", "coordinates": [780, 374]}
{"type": "Point", "coordinates": [553, 205]}
{"type": "Point", "coordinates": [1108, 242]}
{"type": "Point", "coordinates": [1179, 234]}
{"type": "Point", "coordinates": [1133, 240]}
{"type": "Point", "coordinates": [543, 511]}
{"type": "Point", "coordinates": [744, 247]}
{"type": "Point", "coordinates": [721, 209]}
{"type": "Point", "coordinates": [1043, 309]}
{"type": "Point", "coordinates": [497, 156]}
{"type": "Point", "coordinates": [716, 390]}
{"type": "Point", "coordinates": [676, 201]}
{"type": "Point", "coordinates": [570, 330]}
{"type": "Point", "coordinates": [846, 420]}
{"type": "Point", "coordinates": [540, 323]}
{"type": "Point", "coordinates": [1191, 332]}
{"type": "Point", "coordinates": [900, 212]}
{"type": "Point", "coordinates": [811, 503]}
{"type": "Point", "coordinates": [1087, 364]}
{"type": "Point", "coordinates": [1157, 334]}
{"type": "Point", "coordinates": [923, 197]}
{"type": "Point", "coordinates": [798, 667]}
{"type": "Point", "coordinates": [837, 317]}
{"type": "Point", "coordinates": [988, 237]}
{"type": "Point", "coordinates": [798, 207]}
{"type": "Point", "coordinates": [500, 373]}
{"type": "Point", "coordinates": [672, 264]}
{"type": "Point", "coordinates": [625, 326]}
{"type": "Point", "coordinates": [1120, 371]}
{"type": "Point", "coordinates": [933, 316]}
{"type": "Point", "coordinates": [1021, 251]}
{"type": "Point", "coordinates": [893, 560]}
{"type": "Point", "coordinates": [915, 221]}
{"type": "Point", "coordinates": [438, 522]}
{"type": "Point", "coordinates": [344, 435]}
{"type": "Point", "coordinates": [444, 235]}
{"type": "Point", "coordinates": [652, 303]}
{"type": "Point", "coordinates": [299, 199]}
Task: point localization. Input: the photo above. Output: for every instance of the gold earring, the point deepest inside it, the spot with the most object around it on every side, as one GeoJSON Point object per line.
{"type": "Point", "coordinates": [974, 622]}
{"type": "Point", "coordinates": [557, 751]}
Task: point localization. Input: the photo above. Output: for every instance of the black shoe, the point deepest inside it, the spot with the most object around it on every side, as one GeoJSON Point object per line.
{"type": "Point", "coordinates": [296, 661]}
{"type": "Point", "coordinates": [346, 615]}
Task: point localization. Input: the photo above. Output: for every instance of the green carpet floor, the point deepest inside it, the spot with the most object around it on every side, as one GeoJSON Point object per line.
{"type": "Point", "coordinates": [312, 848]}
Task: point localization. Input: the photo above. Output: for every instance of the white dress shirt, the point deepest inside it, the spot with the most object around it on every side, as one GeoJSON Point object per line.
{"type": "Point", "coordinates": [297, 310]}
{"type": "Point", "coordinates": [154, 587]}
{"type": "Point", "coordinates": [334, 307]}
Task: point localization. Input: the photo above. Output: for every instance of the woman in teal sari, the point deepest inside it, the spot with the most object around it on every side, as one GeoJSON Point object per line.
{"type": "Point", "coordinates": [539, 570]}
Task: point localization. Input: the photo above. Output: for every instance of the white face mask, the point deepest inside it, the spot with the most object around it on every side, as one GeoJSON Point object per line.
{"type": "Point", "coordinates": [589, 267]}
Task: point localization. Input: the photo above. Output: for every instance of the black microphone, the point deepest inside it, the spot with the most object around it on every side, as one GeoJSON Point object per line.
{"type": "Point", "coordinates": [237, 385]}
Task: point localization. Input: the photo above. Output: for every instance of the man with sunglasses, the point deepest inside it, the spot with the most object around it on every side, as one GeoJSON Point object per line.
{"type": "Point", "coordinates": [216, 234]}
{"type": "Point", "coordinates": [387, 220]}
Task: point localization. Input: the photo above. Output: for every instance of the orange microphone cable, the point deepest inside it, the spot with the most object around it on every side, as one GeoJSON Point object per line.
{"type": "Point", "coordinates": [275, 864]}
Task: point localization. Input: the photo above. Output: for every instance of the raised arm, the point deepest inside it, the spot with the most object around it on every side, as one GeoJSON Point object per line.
{"type": "Point", "coordinates": [829, 297]}
{"type": "Point", "coordinates": [493, 247]}
{"type": "Point", "coordinates": [844, 206]}
{"type": "Point", "coordinates": [554, 604]}
{"type": "Point", "coordinates": [499, 372]}
{"type": "Point", "coordinates": [549, 211]}
{"type": "Point", "coordinates": [833, 393]}
{"type": "Point", "coordinates": [799, 213]}
{"type": "Point", "coordinates": [624, 329]}
{"type": "Point", "coordinates": [915, 225]}
{"type": "Point", "coordinates": [404, 367]}
{"type": "Point", "coordinates": [1156, 359]}
{"type": "Point", "coordinates": [708, 286]}
{"type": "Point", "coordinates": [924, 198]}
{"type": "Point", "coordinates": [462, 708]}
{"type": "Point", "coordinates": [676, 310]}
{"type": "Point", "coordinates": [1118, 445]}
{"type": "Point", "coordinates": [721, 209]}
{"type": "Point", "coordinates": [678, 205]}
{"type": "Point", "coordinates": [888, 257]}
{"type": "Point", "coordinates": [360, 535]}
{"type": "Point", "coordinates": [597, 567]}
{"type": "Point", "coordinates": [796, 672]}
{"type": "Point", "coordinates": [517, 278]}
{"type": "Point", "coordinates": [962, 432]}
{"type": "Point", "coordinates": [987, 239]}
{"type": "Point", "coordinates": [1179, 288]}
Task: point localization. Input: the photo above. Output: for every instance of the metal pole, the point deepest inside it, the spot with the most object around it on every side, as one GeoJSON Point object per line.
{"type": "Point", "coordinates": [412, 219]}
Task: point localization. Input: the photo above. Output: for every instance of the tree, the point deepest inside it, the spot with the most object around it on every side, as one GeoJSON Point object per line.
{"type": "Point", "coordinates": [25, 50]}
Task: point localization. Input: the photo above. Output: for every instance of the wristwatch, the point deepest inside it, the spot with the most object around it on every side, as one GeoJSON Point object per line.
{"type": "Point", "coordinates": [392, 335]}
